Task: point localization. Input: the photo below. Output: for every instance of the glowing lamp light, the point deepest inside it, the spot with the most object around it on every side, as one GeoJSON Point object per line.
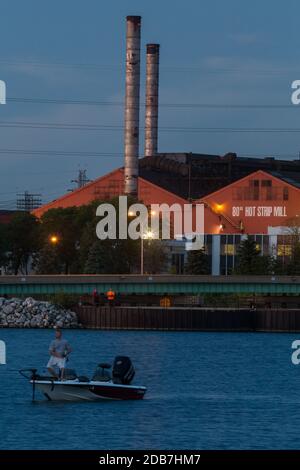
{"type": "Point", "coordinates": [54, 239]}
{"type": "Point", "coordinates": [219, 207]}
{"type": "Point", "coordinates": [149, 234]}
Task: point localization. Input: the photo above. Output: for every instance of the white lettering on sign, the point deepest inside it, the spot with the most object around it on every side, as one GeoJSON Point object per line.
{"type": "Point", "coordinates": [280, 211]}
{"type": "Point", "coordinates": [259, 211]}
{"type": "Point", "coordinates": [250, 211]}
{"type": "Point", "coordinates": [236, 211]}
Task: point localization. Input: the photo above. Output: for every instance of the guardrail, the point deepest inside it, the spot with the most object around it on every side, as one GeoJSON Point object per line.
{"type": "Point", "coordinates": [156, 284]}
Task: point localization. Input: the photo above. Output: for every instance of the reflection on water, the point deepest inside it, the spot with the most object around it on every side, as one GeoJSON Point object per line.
{"type": "Point", "coordinates": [205, 391]}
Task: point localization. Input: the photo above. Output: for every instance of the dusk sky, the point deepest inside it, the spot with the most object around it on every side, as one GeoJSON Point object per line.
{"type": "Point", "coordinates": [212, 52]}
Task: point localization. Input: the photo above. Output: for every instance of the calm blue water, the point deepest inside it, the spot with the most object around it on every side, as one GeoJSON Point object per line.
{"type": "Point", "coordinates": [205, 391]}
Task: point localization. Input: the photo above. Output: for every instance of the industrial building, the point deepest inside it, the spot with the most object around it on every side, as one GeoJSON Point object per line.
{"type": "Point", "coordinates": [258, 197]}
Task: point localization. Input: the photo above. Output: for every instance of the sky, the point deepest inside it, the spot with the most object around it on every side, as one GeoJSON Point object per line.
{"type": "Point", "coordinates": [212, 52]}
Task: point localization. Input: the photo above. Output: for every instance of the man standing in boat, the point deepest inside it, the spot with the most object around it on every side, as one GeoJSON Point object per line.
{"type": "Point", "coordinates": [59, 350]}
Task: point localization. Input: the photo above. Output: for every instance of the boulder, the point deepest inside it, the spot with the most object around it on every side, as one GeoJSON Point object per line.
{"type": "Point", "coordinates": [31, 313]}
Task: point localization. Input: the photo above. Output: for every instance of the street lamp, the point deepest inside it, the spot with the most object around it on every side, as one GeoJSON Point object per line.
{"type": "Point", "coordinates": [53, 239]}
{"type": "Point", "coordinates": [147, 236]}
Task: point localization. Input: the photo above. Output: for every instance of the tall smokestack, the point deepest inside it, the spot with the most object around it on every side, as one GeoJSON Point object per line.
{"type": "Point", "coordinates": [132, 104]}
{"type": "Point", "coordinates": [151, 115]}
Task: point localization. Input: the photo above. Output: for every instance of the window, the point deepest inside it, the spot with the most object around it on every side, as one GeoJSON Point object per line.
{"type": "Point", "coordinates": [269, 193]}
{"type": "Point", "coordinates": [285, 193]}
{"type": "Point", "coordinates": [229, 249]}
{"type": "Point", "coordinates": [254, 190]}
{"type": "Point", "coordinates": [178, 263]}
{"type": "Point", "coordinates": [265, 244]}
{"type": "Point", "coordinates": [284, 250]}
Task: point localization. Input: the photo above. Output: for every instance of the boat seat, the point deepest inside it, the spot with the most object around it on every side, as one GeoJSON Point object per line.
{"type": "Point", "coordinates": [101, 377]}
{"type": "Point", "coordinates": [104, 365]}
{"type": "Point", "coordinates": [101, 374]}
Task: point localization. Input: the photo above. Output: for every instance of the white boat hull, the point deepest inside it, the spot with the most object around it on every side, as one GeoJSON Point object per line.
{"type": "Point", "coordinates": [73, 390]}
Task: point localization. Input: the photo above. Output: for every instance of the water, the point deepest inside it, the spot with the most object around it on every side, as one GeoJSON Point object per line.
{"type": "Point", "coordinates": [205, 391]}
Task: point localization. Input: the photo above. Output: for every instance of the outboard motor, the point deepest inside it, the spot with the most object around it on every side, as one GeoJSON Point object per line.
{"type": "Point", "coordinates": [123, 371]}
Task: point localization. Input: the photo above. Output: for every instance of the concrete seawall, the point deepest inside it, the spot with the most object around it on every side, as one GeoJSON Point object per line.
{"type": "Point", "coordinates": [189, 319]}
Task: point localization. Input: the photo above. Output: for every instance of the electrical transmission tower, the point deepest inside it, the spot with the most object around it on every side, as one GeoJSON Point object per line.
{"type": "Point", "coordinates": [28, 201]}
{"type": "Point", "coordinates": [81, 180]}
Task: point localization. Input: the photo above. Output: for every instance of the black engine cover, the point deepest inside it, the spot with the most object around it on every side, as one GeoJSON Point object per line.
{"type": "Point", "coordinates": [123, 370]}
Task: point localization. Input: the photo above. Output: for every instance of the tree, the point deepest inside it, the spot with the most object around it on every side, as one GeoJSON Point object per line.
{"type": "Point", "coordinates": [3, 244]}
{"type": "Point", "coordinates": [47, 261]}
{"type": "Point", "coordinates": [250, 261]}
{"type": "Point", "coordinates": [154, 256]}
{"type": "Point", "coordinates": [97, 260]}
{"type": "Point", "coordinates": [197, 262]}
{"type": "Point", "coordinates": [105, 256]}
{"type": "Point", "coordinates": [23, 235]}
{"type": "Point", "coordinates": [293, 266]}
{"type": "Point", "coordinates": [65, 225]}
{"type": "Point", "coordinates": [111, 257]}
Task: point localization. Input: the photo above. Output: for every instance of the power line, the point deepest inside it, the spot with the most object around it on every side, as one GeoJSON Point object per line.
{"type": "Point", "coordinates": [162, 105]}
{"type": "Point", "coordinates": [51, 125]}
{"type": "Point", "coordinates": [64, 101]}
{"type": "Point", "coordinates": [166, 68]}
{"type": "Point", "coordinates": [114, 127]}
{"type": "Point", "coordinates": [58, 153]}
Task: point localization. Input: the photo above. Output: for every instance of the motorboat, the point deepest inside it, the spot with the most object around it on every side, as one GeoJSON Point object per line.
{"type": "Point", "coordinates": [102, 385]}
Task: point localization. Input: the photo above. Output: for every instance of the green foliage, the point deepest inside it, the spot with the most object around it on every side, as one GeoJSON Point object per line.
{"type": "Point", "coordinates": [47, 261]}
{"type": "Point", "coordinates": [76, 248]}
{"type": "Point", "coordinates": [154, 257]}
{"type": "Point", "coordinates": [22, 241]}
{"type": "Point", "coordinates": [221, 300]}
{"type": "Point", "coordinates": [111, 257]}
{"type": "Point", "coordinates": [64, 300]}
{"type": "Point", "coordinates": [250, 261]}
{"type": "Point", "coordinates": [197, 262]}
{"type": "Point", "coordinates": [293, 266]}
{"type": "Point", "coordinates": [106, 256]}
{"type": "Point", "coordinates": [65, 224]}
{"type": "Point", "coordinates": [3, 244]}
